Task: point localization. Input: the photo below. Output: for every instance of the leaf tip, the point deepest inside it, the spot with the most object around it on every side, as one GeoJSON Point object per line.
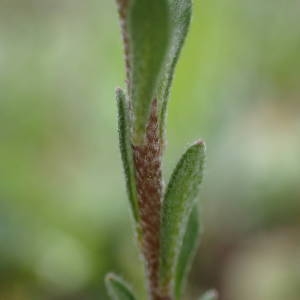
{"type": "Point", "coordinates": [119, 92]}
{"type": "Point", "coordinates": [110, 277]}
{"type": "Point", "coordinates": [210, 295]}
{"type": "Point", "coordinates": [117, 288]}
{"type": "Point", "coordinates": [199, 144]}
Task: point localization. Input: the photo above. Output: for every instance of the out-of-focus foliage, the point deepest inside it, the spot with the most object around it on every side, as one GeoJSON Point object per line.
{"type": "Point", "coordinates": [64, 218]}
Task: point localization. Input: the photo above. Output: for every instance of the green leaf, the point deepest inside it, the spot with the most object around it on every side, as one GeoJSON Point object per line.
{"type": "Point", "coordinates": [148, 34]}
{"type": "Point", "coordinates": [210, 295]}
{"type": "Point", "coordinates": [187, 252]}
{"type": "Point", "coordinates": [117, 288]}
{"type": "Point", "coordinates": [126, 151]}
{"type": "Point", "coordinates": [179, 200]}
{"type": "Point", "coordinates": [180, 18]}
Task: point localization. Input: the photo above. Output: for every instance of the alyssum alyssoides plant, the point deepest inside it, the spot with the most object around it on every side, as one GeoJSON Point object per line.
{"type": "Point", "coordinates": [166, 219]}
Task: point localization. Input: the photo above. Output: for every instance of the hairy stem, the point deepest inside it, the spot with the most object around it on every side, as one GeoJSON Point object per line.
{"type": "Point", "coordinates": [147, 161]}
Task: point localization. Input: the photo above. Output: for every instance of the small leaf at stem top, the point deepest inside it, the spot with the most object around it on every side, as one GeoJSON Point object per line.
{"type": "Point", "coordinates": [148, 36]}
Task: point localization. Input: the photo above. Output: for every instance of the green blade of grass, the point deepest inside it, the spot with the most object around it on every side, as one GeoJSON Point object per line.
{"type": "Point", "coordinates": [179, 200]}
{"type": "Point", "coordinates": [117, 288]}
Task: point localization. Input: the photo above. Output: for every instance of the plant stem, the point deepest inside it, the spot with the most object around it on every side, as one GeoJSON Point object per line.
{"type": "Point", "coordinates": [147, 161]}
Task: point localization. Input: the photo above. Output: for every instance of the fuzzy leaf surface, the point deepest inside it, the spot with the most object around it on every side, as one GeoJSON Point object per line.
{"type": "Point", "coordinates": [148, 31]}
{"type": "Point", "coordinates": [187, 252]}
{"type": "Point", "coordinates": [126, 150]}
{"type": "Point", "coordinates": [117, 288]}
{"type": "Point", "coordinates": [210, 295]}
{"type": "Point", "coordinates": [180, 18]}
{"type": "Point", "coordinates": [180, 198]}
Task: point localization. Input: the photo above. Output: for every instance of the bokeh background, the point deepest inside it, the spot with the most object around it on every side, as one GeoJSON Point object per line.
{"type": "Point", "coordinates": [64, 216]}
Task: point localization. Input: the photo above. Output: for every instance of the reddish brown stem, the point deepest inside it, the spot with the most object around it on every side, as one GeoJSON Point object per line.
{"type": "Point", "coordinates": [147, 161]}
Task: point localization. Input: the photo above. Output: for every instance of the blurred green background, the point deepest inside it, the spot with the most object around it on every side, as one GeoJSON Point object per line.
{"type": "Point", "coordinates": [64, 217]}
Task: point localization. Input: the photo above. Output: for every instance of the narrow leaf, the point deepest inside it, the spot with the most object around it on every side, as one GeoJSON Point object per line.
{"type": "Point", "coordinates": [179, 200]}
{"type": "Point", "coordinates": [126, 151]}
{"type": "Point", "coordinates": [187, 252]}
{"type": "Point", "coordinates": [180, 18]}
{"type": "Point", "coordinates": [148, 34]}
{"type": "Point", "coordinates": [210, 295]}
{"type": "Point", "coordinates": [117, 288]}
